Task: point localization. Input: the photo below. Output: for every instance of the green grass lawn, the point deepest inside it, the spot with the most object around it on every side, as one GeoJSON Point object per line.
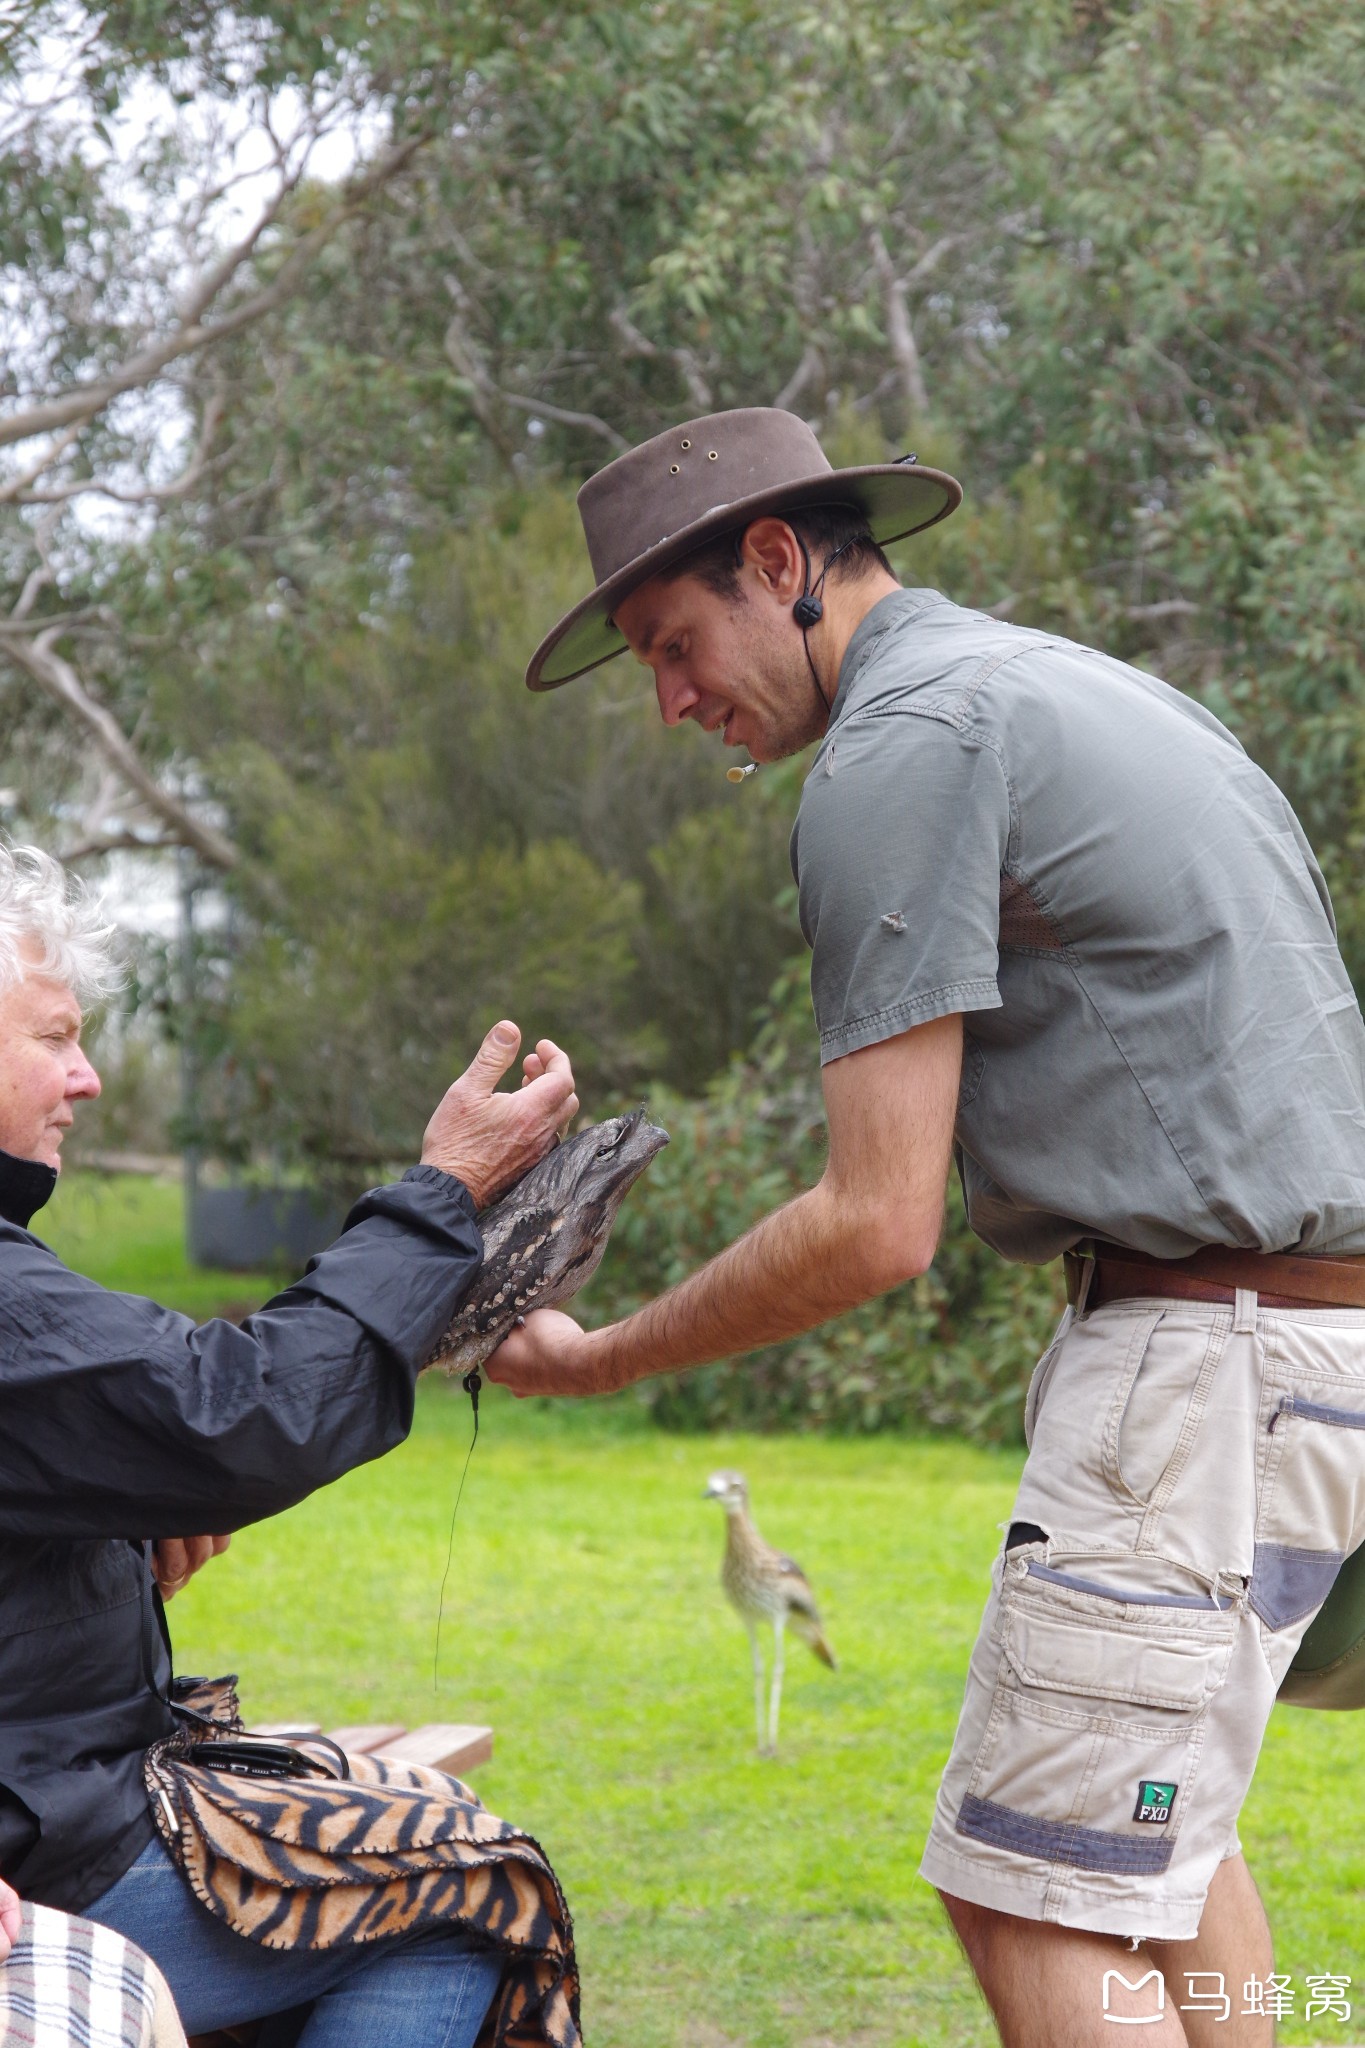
{"type": "Point", "coordinates": [719, 1899]}
{"type": "Point", "coordinates": [127, 1230]}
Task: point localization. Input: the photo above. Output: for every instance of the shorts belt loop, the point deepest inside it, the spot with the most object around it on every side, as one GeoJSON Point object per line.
{"type": "Point", "coordinates": [1244, 1313]}
{"type": "Point", "coordinates": [1079, 1265]}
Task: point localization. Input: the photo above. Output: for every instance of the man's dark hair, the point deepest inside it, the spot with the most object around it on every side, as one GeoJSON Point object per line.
{"type": "Point", "coordinates": [824, 529]}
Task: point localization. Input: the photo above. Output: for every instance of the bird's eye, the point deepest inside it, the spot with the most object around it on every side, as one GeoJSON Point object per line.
{"type": "Point", "coordinates": [611, 1144]}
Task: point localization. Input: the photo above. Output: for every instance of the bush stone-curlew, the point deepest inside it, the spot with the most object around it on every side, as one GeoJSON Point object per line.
{"type": "Point", "coordinates": [763, 1585]}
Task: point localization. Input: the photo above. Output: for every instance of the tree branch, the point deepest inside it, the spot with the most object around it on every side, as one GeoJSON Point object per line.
{"type": "Point", "coordinates": [154, 494]}
{"type": "Point", "coordinates": [42, 622]}
{"type": "Point", "coordinates": [1168, 608]}
{"type": "Point", "coordinates": [17, 485]}
{"type": "Point", "coordinates": [84, 401]}
{"type": "Point", "coordinates": [930, 259]}
{"type": "Point", "coordinates": [638, 344]}
{"type": "Point", "coordinates": [115, 842]}
{"type": "Point", "coordinates": [562, 413]}
{"type": "Point", "coordinates": [465, 360]}
{"type": "Point", "coordinates": [899, 331]}
{"type": "Point", "coordinates": [39, 659]}
{"type": "Point", "coordinates": [809, 366]}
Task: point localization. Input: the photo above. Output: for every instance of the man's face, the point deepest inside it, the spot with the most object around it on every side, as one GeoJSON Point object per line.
{"type": "Point", "coordinates": [734, 664]}
{"type": "Point", "coordinates": [43, 1071]}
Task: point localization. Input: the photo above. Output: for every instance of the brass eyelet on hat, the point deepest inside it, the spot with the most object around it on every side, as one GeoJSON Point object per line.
{"type": "Point", "coordinates": [710, 454]}
{"type": "Point", "coordinates": [673, 468]}
{"type": "Point", "coordinates": [685, 444]}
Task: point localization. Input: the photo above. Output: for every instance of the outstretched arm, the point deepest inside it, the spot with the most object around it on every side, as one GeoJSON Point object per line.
{"type": "Point", "coordinates": [124, 1419]}
{"type": "Point", "coordinates": [871, 1222]}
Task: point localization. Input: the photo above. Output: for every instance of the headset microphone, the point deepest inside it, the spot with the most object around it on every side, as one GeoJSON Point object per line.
{"type": "Point", "coordinates": [808, 611]}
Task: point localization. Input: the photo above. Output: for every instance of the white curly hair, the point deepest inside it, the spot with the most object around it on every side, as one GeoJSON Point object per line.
{"type": "Point", "coordinates": [50, 924]}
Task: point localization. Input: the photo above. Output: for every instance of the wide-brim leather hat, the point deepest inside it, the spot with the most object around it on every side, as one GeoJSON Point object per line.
{"type": "Point", "coordinates": [661, 501]}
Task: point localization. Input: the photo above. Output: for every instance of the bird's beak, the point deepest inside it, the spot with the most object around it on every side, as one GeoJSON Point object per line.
{"type": "Point", "coordinates": [711, 1493]}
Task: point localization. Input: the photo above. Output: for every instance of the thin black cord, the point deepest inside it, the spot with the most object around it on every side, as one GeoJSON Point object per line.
{"type": "Point", "coordinates": [471, 1384]}
{"type": "Point", "coordinates": [826, 702]}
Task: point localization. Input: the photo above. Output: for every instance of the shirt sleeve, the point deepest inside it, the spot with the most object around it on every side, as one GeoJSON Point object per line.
{"type": "Point", "coordinates": [123, 1419]}
{"type": "Point", "coordinates": [902, 833]}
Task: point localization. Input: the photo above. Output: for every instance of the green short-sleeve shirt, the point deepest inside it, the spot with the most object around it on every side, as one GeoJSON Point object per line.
{"type": "Point", "coordinates": [1162, 1044]}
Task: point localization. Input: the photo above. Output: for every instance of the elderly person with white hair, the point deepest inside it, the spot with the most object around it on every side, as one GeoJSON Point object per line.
{"type": "Point", "coordinates": [123, 1425]}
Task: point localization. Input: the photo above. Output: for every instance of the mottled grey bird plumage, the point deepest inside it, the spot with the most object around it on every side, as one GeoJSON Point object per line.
{"type": "Point", "coordinates": [545, 1238]}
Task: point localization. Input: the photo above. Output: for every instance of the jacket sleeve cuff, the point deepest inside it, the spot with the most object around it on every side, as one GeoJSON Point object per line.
{"type": "Point", "coordinates": [436, 1177]}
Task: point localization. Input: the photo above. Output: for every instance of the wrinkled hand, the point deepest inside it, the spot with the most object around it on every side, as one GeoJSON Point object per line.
{"type": "Point", "coordinates": [549, 1354]}
{"type": "Point", "coordinates": [490, 1140]}
{"type": "Point", "coordinates": [176, 1559]}
{"type": "Point", "coordinates": [9, 1919]}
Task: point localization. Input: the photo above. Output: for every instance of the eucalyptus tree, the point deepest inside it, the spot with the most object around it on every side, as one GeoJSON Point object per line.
{"type": "Point", "coordinates": [158, 199]}
{"type": "Point", "coordinates": [1187, 333]}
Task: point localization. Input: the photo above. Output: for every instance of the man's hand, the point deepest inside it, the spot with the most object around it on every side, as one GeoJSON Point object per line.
{"type": "Point", "coordinates": [490, 1140]}
{"type": "Point", "coordinates": [176, 1559]}
{"type": "Point", "coordinates": [548, 1354]}
{"type": "Point", "coordinates": [9, 1919]}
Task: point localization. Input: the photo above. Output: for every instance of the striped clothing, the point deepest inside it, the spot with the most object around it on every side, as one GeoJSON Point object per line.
{"type": "Point", "coordinates": [71, 1984]}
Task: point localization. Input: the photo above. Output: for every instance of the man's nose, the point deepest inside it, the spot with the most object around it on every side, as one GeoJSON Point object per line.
{"type": "Point", "coordinates": [82, 1083]}
{"type": "Point", "coordinates": [677, 698]}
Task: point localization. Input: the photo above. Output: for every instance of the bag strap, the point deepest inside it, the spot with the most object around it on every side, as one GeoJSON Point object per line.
{"type": "Point", "coordinates": [261, 1756]}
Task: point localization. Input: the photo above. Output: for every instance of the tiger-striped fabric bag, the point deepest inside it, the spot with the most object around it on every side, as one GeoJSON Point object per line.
{"type": "Point", "coordinates": [317, 1860]}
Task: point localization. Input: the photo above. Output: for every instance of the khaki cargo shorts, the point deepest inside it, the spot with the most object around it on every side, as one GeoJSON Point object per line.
{"type": "Point", "coordinates": [1196, 1475]}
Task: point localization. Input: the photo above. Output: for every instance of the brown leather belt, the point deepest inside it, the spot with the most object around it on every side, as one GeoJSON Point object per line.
{"type": "Point", "coordinates": [1279, 1279]}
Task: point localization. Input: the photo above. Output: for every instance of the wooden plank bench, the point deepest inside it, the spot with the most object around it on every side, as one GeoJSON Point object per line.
{"type": "Point", "coordinates": [455, 1746]}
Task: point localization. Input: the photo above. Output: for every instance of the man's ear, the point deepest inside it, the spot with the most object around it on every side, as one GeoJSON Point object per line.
{"type": "Point", "coordinates": [770, 546]}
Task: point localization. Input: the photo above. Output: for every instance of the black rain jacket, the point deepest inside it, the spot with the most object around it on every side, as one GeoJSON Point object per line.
{"type": "Point", "coordinates": [121, 1422]}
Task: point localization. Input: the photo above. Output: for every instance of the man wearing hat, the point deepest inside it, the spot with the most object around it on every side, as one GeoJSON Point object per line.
{"type": "Point", "coordinates": [1063, 928]}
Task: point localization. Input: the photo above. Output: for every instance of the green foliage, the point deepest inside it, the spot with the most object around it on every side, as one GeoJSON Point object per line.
{"type": "Point", "coordinates": [429, 848]}
{"type": "Point", "coordinates": [128, 1232]}
{"type": "Point", "coordinates": [1103, 259]}
{"type": "Point", "coordinates": [1186, 318]}
{"type": "Point", "coordinates": [952, 1350]}
{"type": "Point", "coordinates": [1271, 543]}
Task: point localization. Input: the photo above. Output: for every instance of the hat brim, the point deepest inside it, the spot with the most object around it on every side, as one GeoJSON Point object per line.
{"type": "Point", "coordinates": [895, 499]}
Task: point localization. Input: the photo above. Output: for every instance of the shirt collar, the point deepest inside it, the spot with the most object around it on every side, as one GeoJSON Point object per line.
{"type": "Point", "coordinates": [25, 1185]}
{"type": "Point", "coordinates": [896, 609]}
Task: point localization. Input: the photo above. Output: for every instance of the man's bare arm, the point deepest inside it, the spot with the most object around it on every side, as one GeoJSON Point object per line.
{"type": "Point", "coordinates": [871, 1222]}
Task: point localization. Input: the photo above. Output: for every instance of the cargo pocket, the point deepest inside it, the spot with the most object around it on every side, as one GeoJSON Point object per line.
{"type": "Point", "coordinates": [1094, 1736]}
{"type": "Point", "coordinates": [1309, 1510]}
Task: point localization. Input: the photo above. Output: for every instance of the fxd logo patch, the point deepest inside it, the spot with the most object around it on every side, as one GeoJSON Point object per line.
{"type": "Point", "coordinates": [1154, 1800]}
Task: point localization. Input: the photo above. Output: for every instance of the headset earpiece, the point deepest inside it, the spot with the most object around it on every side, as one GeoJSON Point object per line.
{"type": "Point", "coordinates": [808, 610]}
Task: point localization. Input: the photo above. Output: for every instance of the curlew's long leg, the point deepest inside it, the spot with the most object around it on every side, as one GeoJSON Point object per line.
{"type": "Point", "coordinates": [775, 1700]}
{"type": "Point", "coordinates": [758, 1683]}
